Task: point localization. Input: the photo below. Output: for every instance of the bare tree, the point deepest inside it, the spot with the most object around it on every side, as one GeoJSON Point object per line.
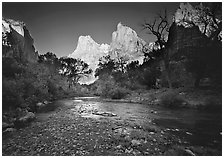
{"type": "Point", "coordinates": [160, 29]}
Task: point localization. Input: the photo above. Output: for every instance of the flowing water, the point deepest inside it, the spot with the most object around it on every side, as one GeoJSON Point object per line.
{"type": "Point", "coordinates": [201, 128]}
{"type": "Point", "coordinates": [94, 126]}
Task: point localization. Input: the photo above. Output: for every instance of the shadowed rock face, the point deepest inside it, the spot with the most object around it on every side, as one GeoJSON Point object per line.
{"type": "Point", "coordinates": [125, 43]}
{"type": "Point", "coordinates": [182, 39]}
{"type": "Point", "coordinates": [17, 41]}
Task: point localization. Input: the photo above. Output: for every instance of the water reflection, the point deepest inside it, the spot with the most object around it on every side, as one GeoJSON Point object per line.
{"type": "Point", "coordinates": [195, 127]}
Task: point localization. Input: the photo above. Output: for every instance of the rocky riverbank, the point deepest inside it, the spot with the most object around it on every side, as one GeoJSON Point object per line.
{"type": "Point", "coordinates": [78, 127]}
{"type": "Point", "coordinates": [189, 98]}
{"type": "Point", "coordinates": [12, 120]}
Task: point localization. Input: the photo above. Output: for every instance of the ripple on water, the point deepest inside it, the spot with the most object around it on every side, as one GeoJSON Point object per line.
{"type": "Point", "coordinates": [78, 100]}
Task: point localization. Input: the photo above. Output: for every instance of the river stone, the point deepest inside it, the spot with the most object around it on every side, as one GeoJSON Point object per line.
{"type": "Point", "coordinates": [47, 102]}
{"type": "Point", "coordinates": [108, 114]}
{"type": "Point", "coordinates": [135, 142]}
{"type": "Point", "coordinates": [189, 152]}
{"type": "Point", "coordinates": [128, 151]}
{"type": "Point", "coordinates": [119, 147]}
{"type": "Point", "coordinates": [9, 130]}
{"type": "Point", "coordinates": [28, 117]}
{"type": "Point", "coordinates": [40, 104]}
{"type": "Point", "coordinates": [6, 125]}
{"type": "Point", "coordinates": [189, 133]}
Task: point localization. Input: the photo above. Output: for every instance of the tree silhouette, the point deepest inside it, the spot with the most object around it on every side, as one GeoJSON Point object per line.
{"type": "Point", "coordinates": [74, 69]}
{"type": "Point", "coordinates": [160, 29]}
{"type": "Point", "coordinates": [106, 66]}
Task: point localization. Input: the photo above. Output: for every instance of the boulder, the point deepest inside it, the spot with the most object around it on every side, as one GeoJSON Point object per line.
{"type": "Point", "coordinates": [6, 125]}
{"type": "Point", "coordinates": [39, 104]}
{"type": "Point", "coordinates": [189, 152]}
{"type": "Point", "coordinates": [28, 117]}
{"type": "Point", "coordinates": [9, 130]}
{"type": "Point", "coordinates": [21, 111]}
{"type": "Point", "coordinates": [135, 142]}
{"type": "Point", "coordinates": [24, 120]}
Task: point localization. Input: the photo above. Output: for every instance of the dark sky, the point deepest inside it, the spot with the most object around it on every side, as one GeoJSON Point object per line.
{"type": "Point", "coordinates": [56, 27]}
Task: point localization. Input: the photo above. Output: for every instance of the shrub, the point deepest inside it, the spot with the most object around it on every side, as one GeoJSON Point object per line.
{"type": "Point", "coordinates": [80, 90]}
{"type": "Point", "coordinates": [12, 94]}
{"type": "Point", "coordinates": [107, 87]}
{"type": "Point", "coordinates": [117, 93]}
{"type": "Point", "coordinates": [172, 100]}
{"type": "Point", "coordinates": [213, 104]}
{"type": "Point", "coordinates": [52, 89]}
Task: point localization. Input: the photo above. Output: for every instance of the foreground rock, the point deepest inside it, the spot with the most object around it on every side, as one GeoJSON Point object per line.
{"type": "Point", "coordinates": [108, 114]}
{"type": "Point", "coordinates": [8, 131]}
{"type": "Point", "coordinates": [43, 106]}
{"type": "Point", "coordinates": [7, 125]}
{"type": "Point", "coordinates": [24, 120]}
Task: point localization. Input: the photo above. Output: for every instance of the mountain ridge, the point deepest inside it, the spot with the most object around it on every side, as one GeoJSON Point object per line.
{"type": "Point", "coordinates": [17, 41]}
{"type": "Point", "coordinates": [124, 38]}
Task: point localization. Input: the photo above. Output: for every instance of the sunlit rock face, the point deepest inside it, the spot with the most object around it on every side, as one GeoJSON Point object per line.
{"type": "Point", "coordinates": [189, 16]}
{"type": "Point", "coordinates": [16, 25]}
{"type": "Point", "coordinates": [126, 44]}
{"type": "Point", "coordinates": [185, 13]}
{"type": "Point", "coordinates": [90, 52]}
{"type": "Point", "coordinates": [17, 41]}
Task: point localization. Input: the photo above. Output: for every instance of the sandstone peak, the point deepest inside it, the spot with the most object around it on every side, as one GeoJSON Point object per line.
{"type": "Point", "coordinates": [119, 25]}
{"type": "Point", "coordinates": [90, 52]}
{"type": "Point", "coordinates": [124, 39]}
{"type": "Point", "coordinates": [18, 26]}
{"type": "Point", "coordinates": [187, 14]}
{"type": "Point", "coordinates": [87, 38]}
{"type": "Point", "coordinates": [127, 40]}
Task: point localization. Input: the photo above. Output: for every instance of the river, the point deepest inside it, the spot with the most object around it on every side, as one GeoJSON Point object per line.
{"type": "Point", "coordinates": [203, 128]}
{"type": "Point", "coordinates": [91, 126]}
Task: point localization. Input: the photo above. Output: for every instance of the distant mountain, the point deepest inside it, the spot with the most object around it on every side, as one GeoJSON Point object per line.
{"type": "Point", "coordinates": [90, 52]}
{"type": "Point", "coordinates": [17, 41]}
{"type": "Point", "coordinates": [125, 43]}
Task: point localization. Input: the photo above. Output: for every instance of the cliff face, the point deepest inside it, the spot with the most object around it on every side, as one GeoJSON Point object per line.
{"type": "Point", "coordinates": [125, 43]}
{"type": "Point", "coordinates": [180, 37]}
{"type": "Point", "coordinates": [17, 41]}
{"type": "Point", "coordinates": [186, 32]}
{"type": "Point", "coordinates": [188, 15]}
